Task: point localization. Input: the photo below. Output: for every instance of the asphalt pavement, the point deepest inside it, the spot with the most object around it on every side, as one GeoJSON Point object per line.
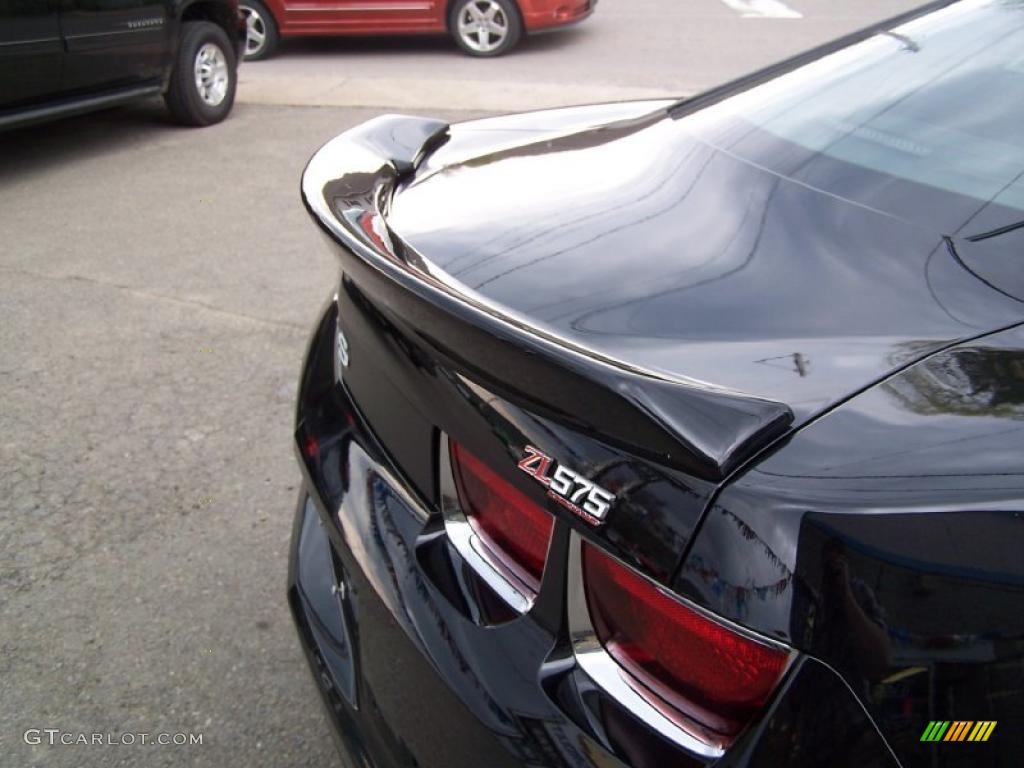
{"type": "Point", "coordinates": [157, 287]}
{"type": "Point", "coordinates": [627, 49]}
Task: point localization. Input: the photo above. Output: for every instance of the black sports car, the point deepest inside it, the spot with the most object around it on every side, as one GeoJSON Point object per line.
{"type": "Point", "coordinates": [658, 434]}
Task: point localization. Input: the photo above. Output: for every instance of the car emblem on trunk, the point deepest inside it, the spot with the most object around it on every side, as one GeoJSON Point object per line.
{"type": "Point", "coordinates": [341, 350]}
{"type": "Point", "coordinates": [580, 496]}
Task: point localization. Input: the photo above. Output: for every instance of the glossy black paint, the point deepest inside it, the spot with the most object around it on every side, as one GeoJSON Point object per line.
{"type": "Point", "coordinates": [712, 268]}
{"type": "Point", "coordinates": [408, 389]}
{"type": "Point", "coordinates": [913, 492]}
{"type": "Point", "coordinates": [703, 428]}
{"type": "Point", "coordinates": [31, 50]}
{"type": "Point", "coordinates": [807, 406]}
{"type": "Point", "coordinates": [110, 43]}
{"type": "Point", "coordinates": [376, 526]}
{"type": "Point", "coordinates": [61, 57]}
{"type": "Point", "coordinates": [815, 722]}
{"type": "Point", "coordinates": [434, 686]}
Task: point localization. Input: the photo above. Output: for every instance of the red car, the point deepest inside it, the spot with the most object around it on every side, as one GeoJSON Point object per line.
{"type": "Point", "coordinates": [480, 27]}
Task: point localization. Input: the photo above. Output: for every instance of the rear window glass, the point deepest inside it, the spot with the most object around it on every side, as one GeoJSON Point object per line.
{"type": "Point", "coordinates": [937, 102]}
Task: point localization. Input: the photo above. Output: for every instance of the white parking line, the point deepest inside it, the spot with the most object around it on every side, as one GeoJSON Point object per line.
{"type": "Point", "coordinates": [763, 9]}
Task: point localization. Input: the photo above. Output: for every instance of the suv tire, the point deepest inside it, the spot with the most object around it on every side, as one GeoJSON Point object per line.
{"type": "Point", "coordinates": [205, 75]}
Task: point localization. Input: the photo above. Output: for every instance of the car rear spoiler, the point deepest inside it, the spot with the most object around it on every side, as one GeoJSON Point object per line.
{"type": "Point", "coordinates": [695, 426]}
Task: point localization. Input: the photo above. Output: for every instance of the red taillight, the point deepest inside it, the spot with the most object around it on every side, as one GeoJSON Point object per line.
{"type": "Point", "coordinates": [311, 446]}
{"type": "Point", "coordinates": [701, 668]}
{"type": "Point", "coordinates": [513, 527]}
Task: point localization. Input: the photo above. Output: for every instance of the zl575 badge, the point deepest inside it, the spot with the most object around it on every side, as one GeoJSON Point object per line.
{"type": "Point", "coordinates": [580, 496]}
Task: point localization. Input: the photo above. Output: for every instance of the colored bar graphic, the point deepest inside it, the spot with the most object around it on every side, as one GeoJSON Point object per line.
{"type": "Point", "coordinates": [958, 730]}
{"type": "Point", "coordinates": [982, 730]}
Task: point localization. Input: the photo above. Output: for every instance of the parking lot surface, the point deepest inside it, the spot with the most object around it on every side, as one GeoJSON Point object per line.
{"type": "Point", "coordinates": [626, 49]}
{"type": "Point", "coordinates": [159, 285]}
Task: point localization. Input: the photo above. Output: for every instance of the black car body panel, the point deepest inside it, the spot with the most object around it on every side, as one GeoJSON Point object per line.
{"type": "Point", "coordinates": [700, 426]}
{"type": "Point", "coordinates": [116, 43]}
{"type": "Point", "coordinates": [798, 375]}
{"type": "Point", "coordinates": [31, 51]}
{"type": "Point", "coordinates": [698, 252]}
{"type": "Point", "coordinates": [914, 494]}
{"type": "Point", "coordinates": [64, 57]}
{"type": "Point", "coordinates": [419, 666]}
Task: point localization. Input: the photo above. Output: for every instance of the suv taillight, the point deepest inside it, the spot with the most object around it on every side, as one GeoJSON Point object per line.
{"type": "Point", "coordinates": [514, 528]}
{"type": "Point", "coordinates": [673, 654]}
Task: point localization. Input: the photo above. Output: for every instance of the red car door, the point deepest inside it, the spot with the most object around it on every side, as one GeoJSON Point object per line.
{"type": "Point", "coordinates": [363, 16]}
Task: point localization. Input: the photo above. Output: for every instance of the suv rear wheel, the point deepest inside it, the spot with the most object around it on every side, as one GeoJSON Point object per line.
{"type": "Point", "coordinates": [205, 75]}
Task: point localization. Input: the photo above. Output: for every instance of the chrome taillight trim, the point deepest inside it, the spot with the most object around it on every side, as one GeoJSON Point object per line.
{"type": "Point", "coordinates": [508, 585]}
{"type": "Point", "coordinates": [619, 684]}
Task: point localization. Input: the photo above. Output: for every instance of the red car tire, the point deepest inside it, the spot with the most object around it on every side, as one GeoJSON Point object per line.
{"type": "Point", "coordinates": [485, 28]}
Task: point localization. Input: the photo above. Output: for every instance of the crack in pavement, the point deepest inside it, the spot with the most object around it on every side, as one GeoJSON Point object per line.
{"type": "Point", "coordinates": [137, 292]}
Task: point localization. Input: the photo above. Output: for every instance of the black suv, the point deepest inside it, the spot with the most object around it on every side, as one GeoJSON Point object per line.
{"type": "Point", "coordinates": [61, 57]}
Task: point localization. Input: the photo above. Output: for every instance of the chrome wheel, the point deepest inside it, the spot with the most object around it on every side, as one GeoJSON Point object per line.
{"type": "Point", "coordinates": [482, 25]}
{"type": "Point", "coordinates": [211, 71]}
{"type": "Point", "coordinates": [255, 31]}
